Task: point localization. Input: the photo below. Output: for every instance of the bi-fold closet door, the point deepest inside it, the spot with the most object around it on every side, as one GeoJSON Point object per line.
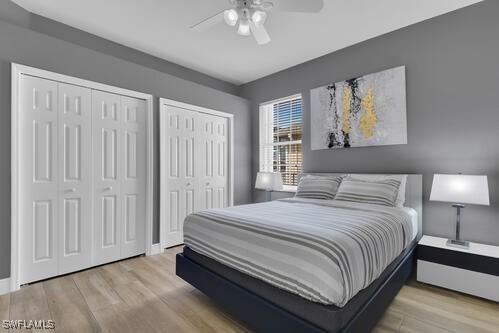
{"type": "Point", "coordinates": [195, 166]}
{"type": "Point", "coordinates": [82, 177]}
{"type": "Point", "coordinates": [119, 176]}
{"type": "Point", "coordinates": [56, 183]}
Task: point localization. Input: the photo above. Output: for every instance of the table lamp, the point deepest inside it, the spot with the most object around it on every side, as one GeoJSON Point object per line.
{"type": "Point", "coordinates": [268, 181]}
{"type": "Point", "coordinates": [460, 190]}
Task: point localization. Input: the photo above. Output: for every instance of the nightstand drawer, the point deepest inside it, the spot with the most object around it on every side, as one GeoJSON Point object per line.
{"type": "Point", "coordinates": [451, 257]}
{"type": "Point", "coordinates": [463, 280]}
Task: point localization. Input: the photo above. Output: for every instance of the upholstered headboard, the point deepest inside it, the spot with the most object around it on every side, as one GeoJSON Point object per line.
{"type": "Point", "coordinates": [413, 193]}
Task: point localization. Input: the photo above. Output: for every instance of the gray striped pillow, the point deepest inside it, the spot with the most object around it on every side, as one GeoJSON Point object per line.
{"type": "Point", "coordinates": [318, 187]}
{"type": "Point", "coordinates": [381, 192]}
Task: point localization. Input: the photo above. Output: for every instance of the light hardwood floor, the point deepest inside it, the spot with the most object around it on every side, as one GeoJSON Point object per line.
{"type": "Point", "coordinates": [143, 294]}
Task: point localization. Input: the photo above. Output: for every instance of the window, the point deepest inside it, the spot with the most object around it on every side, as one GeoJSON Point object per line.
{"type": "Point", "coordinates": [280, 138]}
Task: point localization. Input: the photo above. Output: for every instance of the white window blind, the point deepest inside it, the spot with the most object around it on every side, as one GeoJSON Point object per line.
{"type": "Point", "coordinates": [280, 138]}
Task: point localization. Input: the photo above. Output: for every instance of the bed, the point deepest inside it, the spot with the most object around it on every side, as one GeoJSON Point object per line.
{"type": "Point", "coordinates": [283, 266]}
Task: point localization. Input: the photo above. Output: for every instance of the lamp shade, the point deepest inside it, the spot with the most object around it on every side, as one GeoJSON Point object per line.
{"type": "Point", "coordinates": [269, 181]}
{"type": "Point", "coordinates": [460, 189]}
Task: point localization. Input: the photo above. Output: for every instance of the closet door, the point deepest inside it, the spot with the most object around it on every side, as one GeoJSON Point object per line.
{"type": "Point", "coordinates": [133, 166]}
{"type": "Point", "coordinates": [182, 172]}
{"type": "Point", "coordinates": [39, 189]}
{"type": "Point", "coordinates": [214, 165]}
{"type": "Point", "coordinates": [108, 148]}
{"type": "Point", "coordinates": [75, 178]}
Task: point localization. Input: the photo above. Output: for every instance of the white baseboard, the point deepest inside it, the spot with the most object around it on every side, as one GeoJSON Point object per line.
{"type": "Point", "coordinates": [156, 249]}
{"type": "Point", "coordinates": [5, 286]}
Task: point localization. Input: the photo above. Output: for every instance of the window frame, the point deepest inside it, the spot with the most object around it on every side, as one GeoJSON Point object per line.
{"type": "Point", "coordinates": [266, 143]}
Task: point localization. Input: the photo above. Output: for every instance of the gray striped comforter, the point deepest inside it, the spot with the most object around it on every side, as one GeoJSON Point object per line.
{"type": "Point", "coordinates": [323, 250]}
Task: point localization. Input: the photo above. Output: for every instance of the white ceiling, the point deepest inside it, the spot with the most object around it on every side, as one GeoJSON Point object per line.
{"type": "Point", "coordinates": [161, 28]}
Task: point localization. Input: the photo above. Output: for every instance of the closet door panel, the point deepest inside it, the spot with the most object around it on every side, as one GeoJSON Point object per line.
{"type": "Point", "coordinates": [182, 171]}
{"type": "Point", "coordinates": [39, 183]}
{"type": "Point", "coordinates": [75, 178]}
{"type": "Point", "coordinates": [214, 155]}
{"type": "Point", "coordinates": [133, 168]}
{"type": "Point", "coordinates": [172, 141]}
{"type": "Point", "coordinates": [190, 174]}
{"type": "Point", "coordinates": [107, 153]}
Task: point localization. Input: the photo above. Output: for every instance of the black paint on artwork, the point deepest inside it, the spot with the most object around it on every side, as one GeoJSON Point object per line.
{"type": "Point", "coordinates": [332, 95]}
{"type": "Point", "coordinates": [346, 140]}
{"type": "Point", "coordinates": [331, 140]}
{"type": "Point", "coordinates": [356, 101]}
{"type": "Point", "coordinates": [332, 137]}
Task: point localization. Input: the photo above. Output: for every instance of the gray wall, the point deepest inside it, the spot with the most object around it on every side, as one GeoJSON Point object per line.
{"type": "Point", "coordinates": [21, 45]}
{"type": "Point", "coordinates": [12, 13]}
{"type": "Point", "coordinates": [453, 109]}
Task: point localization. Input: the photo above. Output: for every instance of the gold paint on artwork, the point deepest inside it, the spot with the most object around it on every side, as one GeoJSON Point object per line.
{"type": "Point", "coordinates": [369, 119]}
{"type": "Point", "coordinates": [347, 97]}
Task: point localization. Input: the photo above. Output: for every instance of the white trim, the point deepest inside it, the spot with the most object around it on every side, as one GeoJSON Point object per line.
{"type": "Point", "coordinates": [14, 178]}
{"type": "Point", "coordinates": [149, 174]}
{"type": "Point", "coordinates": [41, 73]}
{"type": "Point", "coordinates": [266, 144]}
{"type": "Point", "coordinates": [162, 133]}
{"type": "Point", "coordinates": [193, 107]}
{"type": "Point", "coordinates": [282, 99]}
{"type": "Point", "coordinates": [5, 286]}
{"type": "Point", "coordinates": [162, 178]}
{"type": "Point", "coordinates": [156, 249]}
{"type": "Point", "coordinates": [17, 71]}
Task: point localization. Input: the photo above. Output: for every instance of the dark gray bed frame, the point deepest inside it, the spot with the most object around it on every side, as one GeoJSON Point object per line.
{"type": "Point", "coordinates": [262, 315]}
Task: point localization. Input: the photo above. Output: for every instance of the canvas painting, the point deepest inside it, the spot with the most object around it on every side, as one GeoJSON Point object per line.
{"type": "Point", "coordinates": [365, 111]}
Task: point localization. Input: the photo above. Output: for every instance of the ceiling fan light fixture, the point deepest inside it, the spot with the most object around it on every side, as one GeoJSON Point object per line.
{"type": "Point", "coordinates": [248, 17]}
{"type": "Point", "coordinates": [259, 17]}
{"type": "Point", "coordinates": [244, 28]}
{"type": "Point", "coordinates": [231, 16]}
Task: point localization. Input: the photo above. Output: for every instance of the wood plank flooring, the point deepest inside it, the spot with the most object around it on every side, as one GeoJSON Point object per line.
{"type": "Point", "coordinates": [143, 294]}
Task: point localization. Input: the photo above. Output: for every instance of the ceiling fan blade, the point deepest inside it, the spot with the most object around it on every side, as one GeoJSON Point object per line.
{"type": "Point", "coordinates": [209, 22]}
{"type": "Point", "coordinates": [303, 6]}
{"type": "Point", "coordinates": [260, 33]}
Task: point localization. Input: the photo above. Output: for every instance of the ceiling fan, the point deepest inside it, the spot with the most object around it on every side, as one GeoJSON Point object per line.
{"type": "Point", "coordinates": [250, 15]}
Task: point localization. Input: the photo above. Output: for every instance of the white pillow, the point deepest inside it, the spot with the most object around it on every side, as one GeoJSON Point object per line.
{"type": "Point", "coordinates": [399, 202]}
{"type": "Point", "coordinates": [318, 187]}
{"type": "Point", "coordinates": [379, 192]}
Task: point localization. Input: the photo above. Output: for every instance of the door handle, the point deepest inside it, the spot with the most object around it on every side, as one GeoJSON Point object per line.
{"type": "Point", "coordinates": [189, 184]}
{"type": "Point", "coordinates": [109, 188]}
{"type": "Point", "coordinates": [207, 183]}
{"type": "Point", "coordinates": [71, 190]}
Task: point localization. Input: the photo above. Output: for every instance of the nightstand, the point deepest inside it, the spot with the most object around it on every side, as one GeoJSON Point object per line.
{"type": "Point", "coordinates": [474, 270]}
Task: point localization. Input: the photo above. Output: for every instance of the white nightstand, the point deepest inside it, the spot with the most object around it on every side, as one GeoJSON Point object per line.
{"type": "Point", "coordinates": [473, 271]}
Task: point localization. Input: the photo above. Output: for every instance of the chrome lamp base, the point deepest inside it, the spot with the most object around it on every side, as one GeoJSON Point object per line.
{"type": "Point", "coordinates": [458, 243]}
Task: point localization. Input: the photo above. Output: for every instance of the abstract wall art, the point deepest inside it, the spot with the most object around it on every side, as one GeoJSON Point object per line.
{"type": "Point", "coordinates": [369, 110]}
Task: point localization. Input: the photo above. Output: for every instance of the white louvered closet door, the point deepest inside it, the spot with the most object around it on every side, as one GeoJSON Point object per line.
{"type": "Point", "coordinates": [195, 166]}
{"type": "Point", "coordinates": [38, 156]}
{"type": "Point", "coordinates": [75, 178]}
